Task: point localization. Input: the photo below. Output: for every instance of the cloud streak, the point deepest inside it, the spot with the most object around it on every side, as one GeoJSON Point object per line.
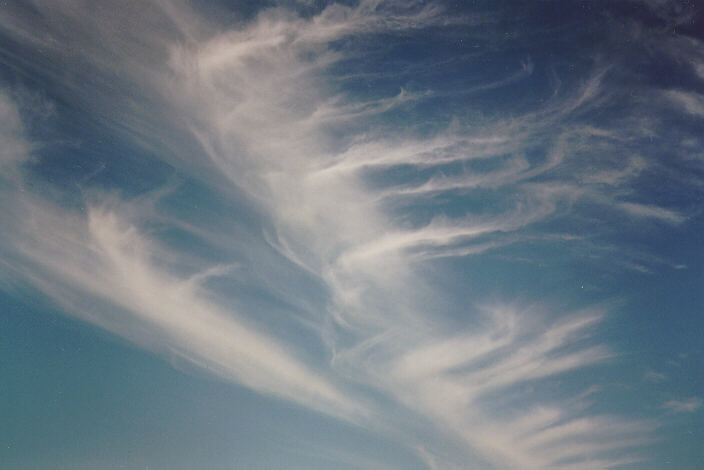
{"type": "Point", "coordinates": [688, 405]}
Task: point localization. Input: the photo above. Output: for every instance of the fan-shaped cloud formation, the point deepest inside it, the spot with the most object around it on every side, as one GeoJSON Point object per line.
{"type": "Point", "coordinates": [346, 216]}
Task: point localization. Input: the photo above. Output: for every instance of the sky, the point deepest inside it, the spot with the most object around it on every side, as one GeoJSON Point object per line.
{"type": "Point", "coordinates": [373, 234]}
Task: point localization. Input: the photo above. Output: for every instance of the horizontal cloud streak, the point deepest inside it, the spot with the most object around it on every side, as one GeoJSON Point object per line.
{"type": "Point", "coordinates": [689, 405]}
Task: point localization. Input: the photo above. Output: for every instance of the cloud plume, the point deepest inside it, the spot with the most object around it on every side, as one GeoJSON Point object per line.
{"type": "Point", "coordinates": [343, 221]}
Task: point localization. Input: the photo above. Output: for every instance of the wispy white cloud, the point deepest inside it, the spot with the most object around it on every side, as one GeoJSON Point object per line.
{"type": "Point", "coordinates": [252, 106]}
{"type": "Point", "coordinates": [689, 102]}
{"type": "Point", "coordinates": [688, 405]}
{"type": "Point", "coordinates": [103, 269]}
{"type": "Point", "coordinates": [653, 376]}
{"type": "Point", "coordinates": [649, 211]}
{"type": "Point", "coordinates": [103, 257]}
{"type": "Point", "coordinates": [15, 147]}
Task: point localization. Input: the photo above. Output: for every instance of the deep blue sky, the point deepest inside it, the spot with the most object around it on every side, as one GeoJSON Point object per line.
{"type": "Point", "coordinates": [365, 235]}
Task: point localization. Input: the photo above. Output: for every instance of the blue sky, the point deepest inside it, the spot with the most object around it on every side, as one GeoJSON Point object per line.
{"type": "Point", "coordinates": [364, 235]}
